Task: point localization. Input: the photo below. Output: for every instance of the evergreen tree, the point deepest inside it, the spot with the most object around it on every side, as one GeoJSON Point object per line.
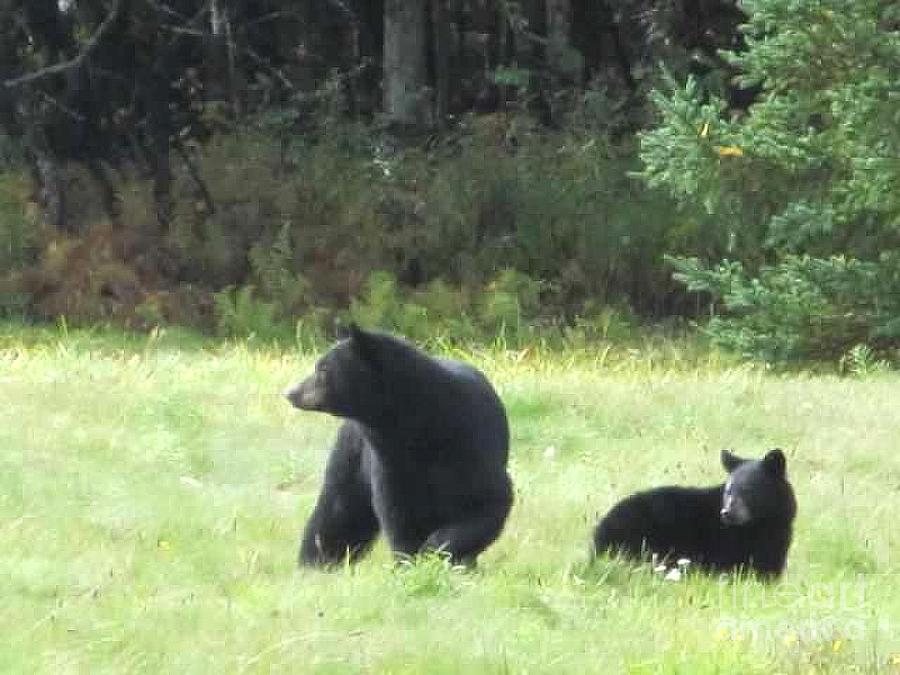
{"type": "Point", "coordinates": [804, 184]}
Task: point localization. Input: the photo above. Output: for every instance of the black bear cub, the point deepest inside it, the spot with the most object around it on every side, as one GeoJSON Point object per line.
{"type": "Point", "coordinates": [421, 455]}
{"type": "Point", "coordinates": [744, 523]}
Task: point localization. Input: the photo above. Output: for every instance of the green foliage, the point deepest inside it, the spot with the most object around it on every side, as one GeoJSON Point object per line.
{"type": "Point", "coordinates": [803, 185]}
{"type": "Point", "coordinates": [817, 146]}
{"type": "Point", "coordinates": [311, 329]}
{"type": "Point", "coordinates": [861, 361]}
{"type": "Point", "coordinates": [19, 243]}
{"type": "Point", "coordinates": [802, 308]}
{"type": "Point", "coordinates": [381, 305]}
{"type": "Point", "coordinates": [508, 301]}
{"type": "Point", "coordinates": [272, 267]}
{"type": "Point", "coordinates": [558, 207]}
{"type": "Point", "coordinates": [12, 155]}
{"type": "Point", "coordinates": [603, 324]}
{"type": "Point", "coordinates": [314, 227]}
{"type": "Point", "coordinates": [507, 311]}
{"type": "Point", "coordinates": [518, 78]}
{"type": "Point", "coordinates": [428, 575]}
{"type": "Point", "coordinates": [239, 313]}
{"type": "Point", "coordinates": [306, 219]}
{"type": "Point", "coordinates": [504, 308]}
{"type": "Point", "coordinates": [451, 309]}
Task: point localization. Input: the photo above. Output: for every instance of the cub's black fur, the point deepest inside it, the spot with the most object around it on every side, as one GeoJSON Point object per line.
{"type": "Point", "coordinates": [745, 522]}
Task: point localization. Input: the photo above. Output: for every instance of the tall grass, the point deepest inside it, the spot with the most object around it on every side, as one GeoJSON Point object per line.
{"type": "Point", "coordinates": [152, 490]}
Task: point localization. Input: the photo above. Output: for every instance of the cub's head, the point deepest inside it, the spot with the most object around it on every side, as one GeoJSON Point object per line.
{"type": "Point", "coordinates": [756, 489]}
{"type": "Point", "coordinates": [347, 380]}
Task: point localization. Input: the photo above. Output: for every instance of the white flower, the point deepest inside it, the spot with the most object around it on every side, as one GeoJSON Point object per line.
{"type": "Point", "coordinates": [683, 562]}
{"type": "Point", "coordinates": [674, 574]}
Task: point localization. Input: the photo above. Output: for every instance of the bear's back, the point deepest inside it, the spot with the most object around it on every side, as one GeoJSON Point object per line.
{"type": "Point", "coordinates": [480, 415]}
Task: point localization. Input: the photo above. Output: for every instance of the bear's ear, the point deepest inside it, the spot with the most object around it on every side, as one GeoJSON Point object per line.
{"type": "Point", "coordinates": [355, 333]}
{"type": "Point", "coordinates": [341, 332]}
{"type": "Point", "coordinates": [731, 461]}
{"type": "Point", "coordinates": [775, 463]}
{"type": "Point", "coordinates": [364, 343]}
{"type": "Point", "coordinates": [347, 331]}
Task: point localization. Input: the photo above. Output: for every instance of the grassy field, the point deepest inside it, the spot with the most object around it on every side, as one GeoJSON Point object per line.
{"type": "Point", "coordinates": [152, 490]}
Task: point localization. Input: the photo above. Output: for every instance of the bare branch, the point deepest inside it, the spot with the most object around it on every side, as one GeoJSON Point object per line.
{"type": "Point", "coordinates": [342, 7]}
{"type": "Point", "coordinates": [178, 30]}
{"type": "Point", "coordinates": [273, 16]}
{"type": "Point", "coordinates": [163, 8]}
{"type": "Point", "coordinates": [76, 62]}
{"type": "Point", "coordinates": [194, 173]}
{"type": "Point", "coordinates": [257, 58]}
{"type": "Point", "coordinates": [61, 107]}
{"type": "Point", "coordinates": [277, 72]}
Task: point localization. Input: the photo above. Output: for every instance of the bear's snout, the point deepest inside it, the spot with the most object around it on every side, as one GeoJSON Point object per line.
{"type": "Point", "coordinates": [734, 512]}
{"type": "Point", "coordinates": [728, 514]}
{"type": "Point", "coordinates": [307, 395]}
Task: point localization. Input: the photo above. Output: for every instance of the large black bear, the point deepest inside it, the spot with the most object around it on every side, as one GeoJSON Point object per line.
{"type": "Point", "coordinates": [421, 455]}
{"type": "Point", "coordinates": [745, 522]}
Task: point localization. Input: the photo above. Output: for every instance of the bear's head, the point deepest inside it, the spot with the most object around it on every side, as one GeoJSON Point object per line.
{"type": "Point", "coordinates": [756, 489]}
{"type": "Point", "coordinates": [347, 381]}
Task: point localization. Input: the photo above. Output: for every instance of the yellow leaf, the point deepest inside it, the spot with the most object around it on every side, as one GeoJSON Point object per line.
{"type": "Point", "coordinates": [163, 544]}
{"type": "Point", "coordinates": [729, 151]}
{"type": "Point", "coordinates": [704, 132]}
{"type": "Point", "coordinates": [837, 646]}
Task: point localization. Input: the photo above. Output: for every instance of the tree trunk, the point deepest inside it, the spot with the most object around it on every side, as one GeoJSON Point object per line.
{"type": "Point", "coordinates": [216, 18]}
{"type": "Point", "coordinates": [563, 63]}
{"type": "Point", "coordinates": [405, 66]}
{"type": "Point", "coordinates": [52, 191]}
{"type": "Point", "coordinates": [440, 27]}
{"type": "Point", "coordinates": [369, 29]}
{"type": "Point", "coordinates": [559, 30]}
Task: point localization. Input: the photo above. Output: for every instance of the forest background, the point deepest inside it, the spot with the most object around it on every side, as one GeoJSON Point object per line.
{"type": "Point", "coordinates": [545, 171]}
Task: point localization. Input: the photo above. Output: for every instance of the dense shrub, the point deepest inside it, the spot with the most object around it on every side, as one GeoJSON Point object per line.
{"type": "Point", "coordinates": [803, 307]}
{"type": "Point", "coordinates": [495, 227]}
{"type": "Point", "coordinates": [506, 312]}
{"type": "Point", "coordinates": [803, 186]}
{"type": "Point", "coordinates": [19, 244]}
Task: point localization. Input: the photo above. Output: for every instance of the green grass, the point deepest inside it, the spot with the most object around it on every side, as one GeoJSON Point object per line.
{"type": "Point", "coordinates": [152, 490]}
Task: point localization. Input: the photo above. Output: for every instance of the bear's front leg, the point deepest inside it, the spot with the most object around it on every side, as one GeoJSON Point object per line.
{"type": "Point", "coordinates": [341, 527]}
{"type": "Point", "coordinates": [343, 523]}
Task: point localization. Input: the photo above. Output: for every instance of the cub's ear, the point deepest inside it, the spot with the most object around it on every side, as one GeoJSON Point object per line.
{"type": "Point", "coordinates": [354, 331]}
{"type": "Point", "coordinates": [775, 463]}
{"type": "Point", "coordinates": [364, 343]}
{"type": "Point", "coordinates": [731, 461]}
{"type": "Point", "coordinates": [346, 331]}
